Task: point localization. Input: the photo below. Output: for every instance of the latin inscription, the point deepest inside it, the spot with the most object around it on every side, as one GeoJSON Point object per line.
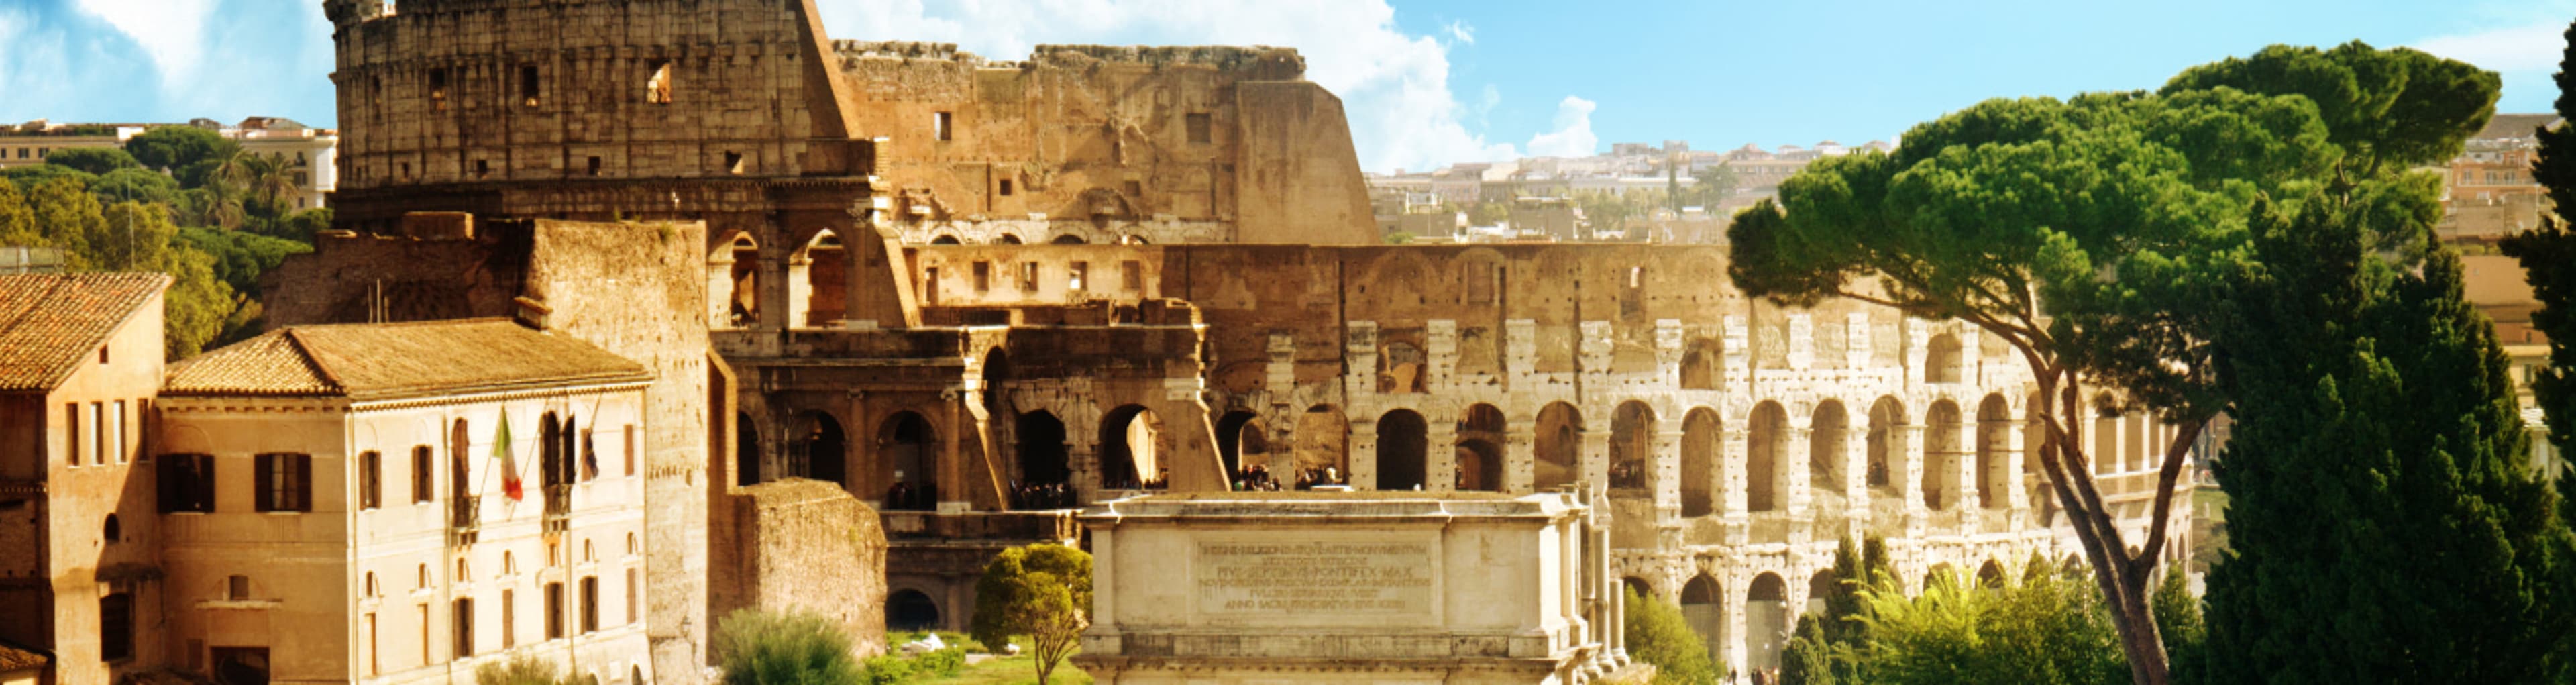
{"type": "Point", "coordinates": [1314, 577]}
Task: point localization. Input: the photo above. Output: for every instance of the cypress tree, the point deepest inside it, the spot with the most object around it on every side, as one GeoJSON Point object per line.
{"type": "Point", "coordinates": [2548, 256]}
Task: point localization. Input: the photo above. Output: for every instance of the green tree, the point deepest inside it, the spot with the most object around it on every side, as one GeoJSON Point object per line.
{"type": "Point", "coordinates": [240, 258]}
{"type": "Point", "coordinates": [305, 226]}
{"type": "Point", "coordinates": [1042, 591]}
{"type": "Point", "coordinates": [1712, 185]}
{"type": "Point", "coordinates": [133, 236]}
{"type": "Point", "coordinates": [525, 670]}
{"type": "Point", "coordinates": [169, 148]}
{"type": "Point", "coordinates": [28, 177]}
{"type": "Point", "coordinates": [768, 648]}
{"type": "Point", "coordinates": [1488, 213]}
{"type": "Point", "coordinates": [1606, 212]}
{"type": "Point", "coordinates": [94, 160]}
{"type": "Point", "coordinates": [2125, 213]}
{"type": "Point", "coordinates": [1829, 655]}
{"type": "Point", "coordinates": [2548, 256]}
{"type": "Point", "coordinates": [17, 222]}
{"type": "Point", "coordinates": [135, 184]}
{"type": "Point", "coordinates": [2040, 630]}
{"type": "Point", "coordinates": [208, 207]}
{"type": "Point", "coordinates": [1809, 657]}
{"type": "Point", "coordinates": [66, 216]}
{"type": "Point", "coordinates": [2178, 613]}
{"type": "Point", "coordinates": [1657, 634]}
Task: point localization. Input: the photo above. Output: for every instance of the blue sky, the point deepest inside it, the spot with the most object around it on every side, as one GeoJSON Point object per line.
{"type": "Point", "coordinates": [1425, 82]}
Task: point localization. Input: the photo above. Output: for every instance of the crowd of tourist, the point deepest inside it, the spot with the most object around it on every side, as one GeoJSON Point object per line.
{"type": "Point", "coordinates": [1026, 496]}
{"type": "Point", "coordinates": [905, 496]}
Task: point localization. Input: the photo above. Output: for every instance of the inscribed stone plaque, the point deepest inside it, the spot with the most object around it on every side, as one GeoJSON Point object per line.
{"type": "Point", "coordinates": [1333, 578]}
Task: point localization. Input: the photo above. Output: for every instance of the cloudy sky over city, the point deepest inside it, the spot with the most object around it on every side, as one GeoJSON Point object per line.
{"type": "Point", "coordinates": [1425, 82]}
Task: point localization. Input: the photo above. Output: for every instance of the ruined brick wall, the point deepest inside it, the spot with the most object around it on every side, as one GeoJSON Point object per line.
{"type": "Point", "coordinates": [800, 540]}
{"type": "Point", "coordinates": [1167, 144]}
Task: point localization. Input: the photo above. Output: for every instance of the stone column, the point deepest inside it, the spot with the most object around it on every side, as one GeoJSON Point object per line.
{"type": "Point", "coordinates": [720, 289]}
{"type": "Point", "coordinates": [1732, 462]}
{"type": "Point", "coordinates": [1794, 469]}
{"type": "Point", "coordinates": [1665, 466]}
{"type": "Point", "coordinates": [1362, 452]}
{"type": "Point", "coordinates": [1910, 483]}
{"type": "Point", "coordinates": [1594, 461]}
{"type": "Point", "coordinates": [1440, 454]}
{"type": "Point", "coordinates": [799, 291]}
{"type": "Point", "coordinates": [1520, 458]}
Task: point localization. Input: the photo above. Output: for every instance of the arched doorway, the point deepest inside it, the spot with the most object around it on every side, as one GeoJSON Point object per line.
{"type": "Point", "coordinates": [1943, 360]}
{"type": "Point", "coordinates": [819, 449]}
{"type": "Point", "coordinates": [1638, 586]}
{"type": "Point", "coordinates": [1766, 621]}
{"type": "Point", "coordinates": [1480, 449]}
{"type": "Point", "coordinates": [826, 274]}
{"type": "Point", "coordinates": [746, 450]}
{"type": "Point", "coordinates": [1239, 442]}
{"type": "Point", "coordinates": [1046, 471]}
{"type": "Point", "coordinates": [1826, 451]}
{"type": "Point", "coordinates": [1559, 447]}
{"type": "Point", "coordinates": [742, 299]}
{"type": "Point", "coordinates": [1994, 453]}
{"type": "Point", "coordinates": [1991, 575]}
{"type": "Point", "coordinates": [1887, 456]}
{"type": "Point", "coordinates": [910, 461]}
{"type": "Point", "coordinates": [1322, 447]}
{"type": "Point", "coordinates": [1131, 449]}
{"type": "Point", "coordinates": [1819, 587]}
{"type": "Point", "coordinates": [1632, 446]}
{"type": "Point", "coordinates": [1941, 456]}
{"type": "Point", "coordinates": [1701, 369]}
{"type": "Point", "coordinates": [1402, 440]}
{"type": "Point", "coordinates": [1699, 462]}
{"type": "Point", "coordinates": [1705, 614]}
{"type": "Point", "coordinates": [910, 609]}
{"type": "Point", "coordinates": [1769, 437]}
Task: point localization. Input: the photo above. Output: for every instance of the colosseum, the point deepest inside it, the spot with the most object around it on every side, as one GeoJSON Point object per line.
{"type": "Point", "coordinates": [981, 294]}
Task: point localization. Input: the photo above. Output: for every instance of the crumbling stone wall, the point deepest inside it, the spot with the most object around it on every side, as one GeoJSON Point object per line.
{"type": "Point", "coordinates": [799, 541]}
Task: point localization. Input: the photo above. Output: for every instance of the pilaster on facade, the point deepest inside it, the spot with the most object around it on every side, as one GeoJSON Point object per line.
{"type": "Point", "coordinates": [1918, 347]}
{"type": "Point", "coordinates": [1359, 370]}
{"type": "Point", "coordinates": [1802, 341]}
{"type": "Point", "coordinates": [1667, 473]}
{"type": "Point", "coordinates": [1859, 345]}
{"type": "Point", "coordinates": [1911, 491]}
{"type": "Point", "coordinates": [1520, 460]}
{"type": "Point", "coordinates": [1594, 354]}
{"type": "Point", "coordinates": [1795, 458]}
{"type": "Point", "coordinates": [1440, 358]}
{"type": "Point", "coordinates": [1520, 352]}
{"type": "Point", "coordinates": [1738, 347]}
{"type": "Point", "coordinates": [1363, 452]}
{"type": "Point", "coordinates": [1440, 472]}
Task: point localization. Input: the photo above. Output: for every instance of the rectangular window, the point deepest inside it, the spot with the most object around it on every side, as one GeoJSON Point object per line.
{"type": "Point", "coordinates": [1080, 270]}
{"type": "Point", "coordinates": [983, 276]}
{"type": "Point", "coordinates": [528, 85]}
{"type": "Point", "coordinates": [186, 482]}
{"type": "Point", "coordinates": [424, 484]}
{"type": "Point", "coordinates": [438, 90]}
{"type": "Point", "coordinates": [630, 596]}
{"type": "Point", "coordinates": [285, 482]}
{"type": "Point", "coordinates": [509, 620]}
{"type": "Point", "coordinates": [590, 604]}
{"type": "Point", "coordinates": [98, 444]}
{"type": "Point", "coordinates": [1480, 283]}
{"type": "Point", "coordinates": [1029, 276]}
{"type": "Point", "coordinates": [1131, 273]}
{"type": "Point", "coordinates": [73, 436]}
{"type": "Point", "coordinates": [464, 627]}
{"type": "Point", "coordinates": [554, 611]}
{"type": "Point", "coordinates": [594, 165]}
{"type": "Point", "coordinates": [657, 88]}
{"type": "Point", "coordinates": [1199, 126]}
{"type": "Point", "coordinates": [630, 449]}
{"type": "Point", "coordinates": [116, 627]}
{"type": "Point", "coordinates": [424, 635]}
{"type": "Point", "coordinates": [930, 285]}
{"type": "Point", "coordinates": [940, 124]}
{"type": "Point", "coordinates": [1006, 187]}
{"type": "Point", "coordinates": [371, 480]}
{"type": "Point", "coordinates": [374, 665]}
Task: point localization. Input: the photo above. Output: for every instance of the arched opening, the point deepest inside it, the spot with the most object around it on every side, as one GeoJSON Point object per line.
{"type": "Point", "coordinates": [1991, 575]}
{"type": "Point", "coordinates": [910, 460]}
{"type": "Point", "coordinates": [1705, 614]}
{"type": "Point", "coordinates": [1699, 462]}
{"type": "Point", "coordinates": [1069, 239]}
{"type": "Point", "coordinates": [1632, 446]}
{"type": "Point", "coordinates": [1480, 449]}
{"type": "Point", "coordinates": [1941, 456]}
{"type": "Point", "coordinates": [1006, 239]}
{"type": "Point", "coordinates": [1940, 574]}
{"type": "Point", "coordinates": [746, 450]}
{"type": "Point", "coordinates": [1769, 437]}
{"type": "Point", "coordinates": [1638, 585]}
{"type": "Point", "coordinates": [819, 449]}
{"type": "Point", "coordinates": [1819, 587]}
{"type": "Point", "coordinates": [1239, 442]}
{"type": "Point", "coordinates": [1046, 470]}
{"type": "Point", "coordinates": [1558, 447]}
{"type": "Point", "coordinates": [1887, 447]}
{"type": "Point", "coordinates": [741, 295]}
{"type": "Point", "coordinates": [1827, 453]}
{"type": "Point", "coordinates": [996, 373]}
{"type": "Point", "coordinates": [825, 280]}
{"type": "Point", "coordinates": [1994, 458]}
{"type": "Point", "coordinates": [911, 610]}
{"type": "Point", "coordinates": [112, 530]}
{"type": "Point", "coordinates": [1702, 366]}
{"type": "Point", "coordinates": [1131, 450]}
{"type": "Point", "coordinates": [1402, 439]}
{"type": "Point", "coordinates": [1322, 447]}
{"type": "Point", "coordinates": [946, 240]}
{"type": "Point", "coordinates": [1943, 361]}
{"type": "Point", "coordinates": [1399, 369]}
{"type": "Point", "coordinates": [1766, 621]}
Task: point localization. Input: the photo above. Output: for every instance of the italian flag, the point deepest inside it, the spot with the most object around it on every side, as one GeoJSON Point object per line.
{"type": "Point", "coordinates": [509, 465]}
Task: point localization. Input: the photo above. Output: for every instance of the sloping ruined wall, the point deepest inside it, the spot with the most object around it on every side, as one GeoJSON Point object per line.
{"type": "Point", "coordinates": [800, 540]}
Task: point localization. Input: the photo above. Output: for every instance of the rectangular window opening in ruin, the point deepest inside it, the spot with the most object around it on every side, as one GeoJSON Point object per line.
{"type": "Point", "coordinates": [939, 127]}
{"type": "Point", "coordinates": [1006, 187]}
{"type": "Point", "coordinates": [438, 90]}
{"type": "Point", "coordinates": [1134, 188]}
{"type": "Point", "coordinates": [983, 277]}
{"type": "Point", "coordinates": [930, 285]}
{"type": "Point", "coordinates": [594, 165]}
{"type": "Point", "coordinates": [733, 162]}
{"type": "Point", "coordinates": [482, 168]}
{"type": "Point", "coordinates": [1029, 276]}
{"type": "Point", "coordinates": [1199, 127]}
{"type": "Point", "coordinates": [1078, 271]}
{"type": "Point", "coordinates": [657, 88]}
{"type": "Point", "coordinates": [1131, 274]}
{"type": "Point", "coordinates": [528, 85]}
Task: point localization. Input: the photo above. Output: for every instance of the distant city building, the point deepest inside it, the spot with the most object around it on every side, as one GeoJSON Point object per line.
{"type": "Point", "coordinates": [1627, 168]}
{"type": "Point", "coordinates": [2489, 192]}
{"type": "Point", "coordinates": [311, 155]}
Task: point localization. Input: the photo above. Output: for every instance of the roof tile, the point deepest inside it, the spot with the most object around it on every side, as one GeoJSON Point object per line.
{"type": "Point", "coordinates": [50, 322]}
{"type": "Point", "coordinates": [397, 359]}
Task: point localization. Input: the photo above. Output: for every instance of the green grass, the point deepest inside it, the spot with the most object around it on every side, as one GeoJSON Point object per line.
{"type": "Point", "coordinates": [1017, 670]}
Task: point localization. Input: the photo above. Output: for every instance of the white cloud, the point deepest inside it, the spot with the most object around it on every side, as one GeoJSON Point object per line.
{"type": "Point", "coordinates": [1573, 135]}
{"type": "Point", "coordinates": [172, 32]}
{"type": "Point", "coordinates": [1394, 86]}
{"type": "Point", "coordinates": [1463, 33]}
{"type": "Point", "coordinates": [2531, 47]}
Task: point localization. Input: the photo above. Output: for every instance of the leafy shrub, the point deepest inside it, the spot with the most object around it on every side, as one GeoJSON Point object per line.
{"type": "Point", "coordinates": [1657, 635]}
{"type": "Point", "coordinates": [771, 648]}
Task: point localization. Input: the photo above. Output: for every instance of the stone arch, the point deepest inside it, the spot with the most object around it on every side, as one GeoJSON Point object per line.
{"type": "Point", "coordinates": [1703, 365]}
{"type": "Point", "coordinates": [734, 267]}
{"type": "Point", "coordinates": [1706, 614]}
{"type": "Point", "coordinates": [1994, 458]}
{"type": "Point", "coordinates": [1887, 451]}
{"type": "Point", "coordinates": [1399, 368]}
{"type": "Point", "coordinates": [821, 269]}
{"type": "Point", "coordinates": [1943, 360]}
{"type": "Point", "coordinates": [1991, 575]}
{"type": "Point", "coordinates": [1766, 621]}
{"type": "Point", "coordinates": [1402, 439]}
{"type": "Point", "coordinates": [1240, 441]}
{"type": "Point", "coordinates": [911, 609]}
{"type": "Point", "coordinates": [1038, 440]}
{"type": "Point", "coordinates": [1322, 446]}
{"type": "Point", "coordinates": [1941, 455]}
{"type": "Point", "coordinates": [908, 458]}
{"type": "Point", "coordinates": [1638, 585]}
{"type": "Point", "coordinates": [1700, 459]}
{"type": "Point", "coordinates": [1632, 446]}
{"type": "Point", "coordinates": [746, 450]}
{"type": "Point", "coordinates": [1006, 239]}
{"type": "Point", "coordinates": [1940, 574]}
{"type": "Point", "coordinates": [1068, 239]}
{"type": "Point", "coordinates": [1827, 429]}
{"type": "Point", "coordinates": [818, 449]}
{"type": "Point", "coordinates": [1767, 436]}
{"type": "Point", "coordinates": [1131, 441]}
{"type": "Point", "coordinates": [1481, 435]}
{"type": "Point", "coordinates": [1558, 447]}
{"type": "Point", "coordinates": [1820, 586]}
{"type": "Point", "coordinates": [947, 239]}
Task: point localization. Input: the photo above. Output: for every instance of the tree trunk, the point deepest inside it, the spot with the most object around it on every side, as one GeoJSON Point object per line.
{"type": "Point", "coordinates": [2139, 637]}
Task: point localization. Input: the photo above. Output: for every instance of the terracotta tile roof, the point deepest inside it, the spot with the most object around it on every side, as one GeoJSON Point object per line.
{"type": "Point", "coordinates": [50, 322]}
{"type": "Point", "coordinates": [366, 361]}
{"type": "Point", "coordinates": [2514, 125]}
{"type": "Point", "coordinates": [16, 658]}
